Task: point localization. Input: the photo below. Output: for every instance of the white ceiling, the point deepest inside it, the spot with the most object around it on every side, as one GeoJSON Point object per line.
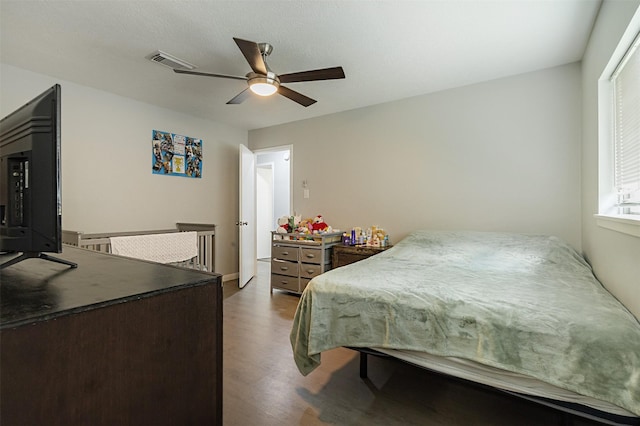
{"type": "Point", "coordinates": [389, 49]}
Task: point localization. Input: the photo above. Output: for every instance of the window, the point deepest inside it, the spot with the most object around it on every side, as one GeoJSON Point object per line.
{"type": "Point", "coordinates": [626, 95]}
{"type": "Point", "coordinates": [619, 134]}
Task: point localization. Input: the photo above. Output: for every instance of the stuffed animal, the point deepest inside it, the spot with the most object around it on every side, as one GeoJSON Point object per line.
{"type": "Point", "coordinates": [294, 221]}
{"type": "Point", "coordinates": [319, 224]}
{"type": "Point", "coordinates": [295, 224]}
{"type": "Point", "coordinates": [283, 225]}
{"type": "Point", "coordinates": [304, 226]}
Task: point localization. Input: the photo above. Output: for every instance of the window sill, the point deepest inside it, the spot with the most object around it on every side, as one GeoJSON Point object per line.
{"type": "Point", "coordinates": [625, 223]}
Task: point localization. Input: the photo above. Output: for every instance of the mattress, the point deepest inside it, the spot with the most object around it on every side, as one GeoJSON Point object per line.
{"type": "Point", "coordinates": [522, 304]}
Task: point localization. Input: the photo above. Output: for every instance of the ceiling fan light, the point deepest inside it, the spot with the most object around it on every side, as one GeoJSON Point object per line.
{"type": "Point", "coordinates": [263, 89]}
{"type": "Point", "coordinates": [263, 86]}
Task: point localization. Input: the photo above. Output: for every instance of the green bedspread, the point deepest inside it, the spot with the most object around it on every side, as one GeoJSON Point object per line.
{"type": "Point", "coordinates": [527, 304]}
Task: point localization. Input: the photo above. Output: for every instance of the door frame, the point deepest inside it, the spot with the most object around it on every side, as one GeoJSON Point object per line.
{"type": "Point", "coordinates": [269, 167]}
{"type": "Point", "coordinates": [241, 265]}
{"type": "Point", "coordinates": [277, 149]}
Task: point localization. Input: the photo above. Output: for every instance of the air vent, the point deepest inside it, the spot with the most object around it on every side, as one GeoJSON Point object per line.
{"type": "Point", "coordinates": [169, 61]}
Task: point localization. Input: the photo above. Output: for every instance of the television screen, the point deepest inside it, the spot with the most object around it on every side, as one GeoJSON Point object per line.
{"type": "Point", "coordinates": [30, 189]}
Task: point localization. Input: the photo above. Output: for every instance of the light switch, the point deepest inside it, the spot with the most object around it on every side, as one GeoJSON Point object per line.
{"type": "Point", "coordinates": [306, 193]}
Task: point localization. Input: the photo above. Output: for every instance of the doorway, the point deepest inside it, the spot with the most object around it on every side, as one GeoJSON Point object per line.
{"type": "Point", "coordinates": [264, 206]}
{"type": "Point", "coordinates": [273, 194]}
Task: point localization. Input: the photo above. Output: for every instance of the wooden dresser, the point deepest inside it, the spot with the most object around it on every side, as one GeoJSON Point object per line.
{"type": "Point", "coordinates": [344, 255]}
{"type": "Point", "coordinates": [115, 341]}
{"type": "Point", "coordinates": [297, 258]}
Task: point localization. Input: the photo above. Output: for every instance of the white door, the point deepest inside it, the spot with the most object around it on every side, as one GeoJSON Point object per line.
{"type": "Point", "coordinates": [247, 223]}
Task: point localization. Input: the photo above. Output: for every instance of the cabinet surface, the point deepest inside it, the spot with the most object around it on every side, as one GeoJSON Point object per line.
{"type": "Point", "coordinates": [297, 258]}
{"type": "Point", "coordinates": [113, 342]}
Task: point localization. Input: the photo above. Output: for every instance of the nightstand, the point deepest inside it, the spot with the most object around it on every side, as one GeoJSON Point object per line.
{"type": "Point", "coordinates": [344, 255]}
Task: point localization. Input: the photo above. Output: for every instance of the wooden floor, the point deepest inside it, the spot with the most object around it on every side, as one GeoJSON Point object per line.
{"type": "Point", "coordinates": [263, 387]}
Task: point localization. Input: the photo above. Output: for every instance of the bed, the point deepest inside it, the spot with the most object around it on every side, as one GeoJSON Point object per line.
{"type": "Point", "coordinates": [521, 313]}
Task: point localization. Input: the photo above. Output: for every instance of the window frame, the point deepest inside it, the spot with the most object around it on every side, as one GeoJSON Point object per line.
{"type": "Point", "coordinates": [626, 66]}
{"type": "Point", "coordinates": [608, 215]}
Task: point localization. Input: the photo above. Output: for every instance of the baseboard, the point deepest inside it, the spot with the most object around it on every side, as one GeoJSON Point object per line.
{"type": "Point", "coordinates": [230, 277]}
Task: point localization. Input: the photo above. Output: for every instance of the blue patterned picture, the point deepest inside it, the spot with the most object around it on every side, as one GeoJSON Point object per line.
{"type": "Point", "coordinates": [176, 155]}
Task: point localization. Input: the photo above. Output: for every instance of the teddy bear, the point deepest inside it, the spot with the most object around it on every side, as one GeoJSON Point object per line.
{"type": "Point", "coordinates": [319, 224]}
{"type": "Point", "coordinates": [289, 224]}
{"type": "Point", "coordinates": [304, 226]}
{"type": "Point", "coordinates": [283, 225]}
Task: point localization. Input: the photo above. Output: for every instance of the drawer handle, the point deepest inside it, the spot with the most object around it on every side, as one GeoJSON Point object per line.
{"type": "Point", "coordinates": [284, 282]}
{"type": "Point", "coordinates": [311, 256]}
{"type": "Point", "coordinates": [284, 268]}
{"type": "Point", "coordinates": [310, 271]}
{"type": "Point", "coordinates": [285, 253]}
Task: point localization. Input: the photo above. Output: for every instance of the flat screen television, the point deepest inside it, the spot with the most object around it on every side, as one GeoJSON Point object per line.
{"type": "Point", "coordinates": [30, 186]}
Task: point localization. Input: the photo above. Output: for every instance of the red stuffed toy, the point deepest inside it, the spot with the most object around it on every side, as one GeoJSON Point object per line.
{"type": "Point", "coordinates": [319, 224]}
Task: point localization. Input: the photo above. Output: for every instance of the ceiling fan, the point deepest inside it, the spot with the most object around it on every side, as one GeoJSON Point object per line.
{"type": "Point", "coordinates": [264, 82]}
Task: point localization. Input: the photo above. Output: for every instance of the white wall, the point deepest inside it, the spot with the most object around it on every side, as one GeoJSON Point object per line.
{"type": "Point", "coordinates": [107, 184]}
{"type": "Point", "coordinates": [615, 256]}
{"type": "Point", "coordinates": [502, 155]}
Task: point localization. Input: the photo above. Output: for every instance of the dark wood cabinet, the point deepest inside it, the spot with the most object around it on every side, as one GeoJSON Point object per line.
{"type": "Point", "coordinates": [115, 341]}
{"type": "Point", "coordinates": [344, 255]}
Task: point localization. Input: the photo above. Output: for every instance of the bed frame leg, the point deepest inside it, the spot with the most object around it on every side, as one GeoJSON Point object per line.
{"type": "Point", "coordinates": [363, 365]}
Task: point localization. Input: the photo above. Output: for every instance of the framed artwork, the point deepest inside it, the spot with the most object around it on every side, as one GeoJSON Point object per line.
{"type": "Point", "coordinates": [176, 155]}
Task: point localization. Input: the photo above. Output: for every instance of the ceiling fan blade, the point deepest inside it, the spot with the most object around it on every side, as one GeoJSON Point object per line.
{"type": "Point", "coordinates": [296, 97]}
{"type": "Point", "coordinates": [322, 74]}
{"type": "Point", "coordinates": [251, 52]}
{"type": "Point", "coordinates": [208, 74]}
{"type": "Point", "coordinates": [240, 97]}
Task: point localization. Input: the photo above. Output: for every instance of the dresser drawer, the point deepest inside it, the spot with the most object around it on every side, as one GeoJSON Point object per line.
{"type": "Point", "coordinates": [310, 270]}
{"type": "Point", "coordinates": [284, 282]}
{"type": "Point", "coordinates": [296, 258]}
{"type": "Point", "coordinates": [345, 255]}
{"type": "Point", "coordinates": [283, 267]}
{"type": "Point", "coordinates": [309, 255]}
{"type": "Point", "coordinates": [303, 283]}
{"type": "Point", "coordinates": [285, 253]}
{"type": "Point", "coordinates": [342, 259]}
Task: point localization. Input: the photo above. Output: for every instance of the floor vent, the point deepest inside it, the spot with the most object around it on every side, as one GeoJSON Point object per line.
{"type": "Point", "coordinates": [167, 60]}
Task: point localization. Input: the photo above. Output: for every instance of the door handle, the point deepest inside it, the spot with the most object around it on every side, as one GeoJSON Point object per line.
{"type": "Point", "coordinates": [241, 223]}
